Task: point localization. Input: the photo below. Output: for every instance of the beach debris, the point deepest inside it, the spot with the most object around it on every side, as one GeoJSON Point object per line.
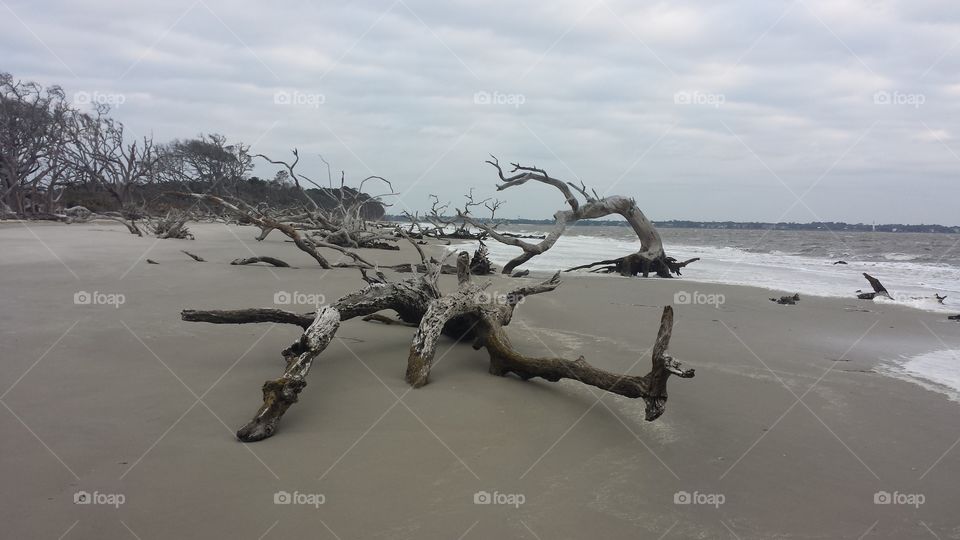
{"type": "Point", "coordinates": [81, 214]}
{"type": "Point", "coordinates": [253, 260]}
{"type": "Point", "coordinates": [337, 216]}
{"type": "Point", "coordinates": [480, 264]}
{"type": "Point", "coordinates": [787, 300]}
{"type": "Point", "coordinates": [468, 313]}
{"type": "Point", "coordinates": [192, 256]}
{"type": "Point", "coordinates": [461, 225]}
{"type": "Point", "coordinates": [173, 225]}
{"type": "Point", "coordinates": [306, 244]}
{"type": "Point", "coordinates": [520, 273]}
{"type": "Point", "coordinates": [840, 262]}
{"type": "Point", "coordinates": [651, 257]}
{"type": "Point", "coordinates": [953, 317]}
{"type": "Point", "coordinates": [878, 289]}
{"type": "Point", "coordinates": [630, 265]}
{"type": "Point", "coordinates": [151, 261]}
{"type": "Point", "coordinates": [939, 298]}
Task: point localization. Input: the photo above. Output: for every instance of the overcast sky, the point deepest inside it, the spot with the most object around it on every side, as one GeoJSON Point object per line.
{"type": "Point", "coordinates": [799, 110]}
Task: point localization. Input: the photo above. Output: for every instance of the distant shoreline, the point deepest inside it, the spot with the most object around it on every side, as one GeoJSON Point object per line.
{"type": "Point", "coordinates": [745, 225]}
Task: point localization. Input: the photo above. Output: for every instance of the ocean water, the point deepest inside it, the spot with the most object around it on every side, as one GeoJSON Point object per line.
{"type": "Point", "coordinates": [936, 370]}
{"type": "Point", "coordinates": [912, 266]}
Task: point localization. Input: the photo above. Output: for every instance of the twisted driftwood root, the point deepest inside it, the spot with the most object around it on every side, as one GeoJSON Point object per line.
{"type": "Point", "coordinates": [488, 318]}
{"type": "Point", "coordinates": [651, 257]}
{"type": "Point", "coordinates": [468, 312]}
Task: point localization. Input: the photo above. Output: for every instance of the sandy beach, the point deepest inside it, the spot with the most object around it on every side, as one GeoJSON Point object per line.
{"type": "Point", "coordinates": [789, 429]}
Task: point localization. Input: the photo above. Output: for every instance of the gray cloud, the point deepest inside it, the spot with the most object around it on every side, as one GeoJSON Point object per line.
{"type": "Point", "coordinates": [701, 110]}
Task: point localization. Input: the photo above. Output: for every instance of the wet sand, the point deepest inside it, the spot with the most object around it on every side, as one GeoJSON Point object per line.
{"type": "Point", "coordinates": [788, 424]}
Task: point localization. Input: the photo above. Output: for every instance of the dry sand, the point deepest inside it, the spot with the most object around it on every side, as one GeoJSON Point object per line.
{"type": "Point", "coordinates": [130, 400]}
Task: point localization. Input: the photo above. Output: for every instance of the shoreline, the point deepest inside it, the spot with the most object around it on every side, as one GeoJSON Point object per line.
{"type": "Point", "coordinates": [787, 418]}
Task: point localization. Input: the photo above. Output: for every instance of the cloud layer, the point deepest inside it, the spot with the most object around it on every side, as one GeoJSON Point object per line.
{"type": "Point", "coordinates": [799, 110]}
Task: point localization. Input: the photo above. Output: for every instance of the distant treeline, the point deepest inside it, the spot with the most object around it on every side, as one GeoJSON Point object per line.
{"type": "Point", "coordinates": [54, 156]}
{"type": "Point", "coordinates": [747, 225]}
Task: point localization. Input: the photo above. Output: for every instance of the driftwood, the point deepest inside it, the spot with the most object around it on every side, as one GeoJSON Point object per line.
{"type": "Point", "coordinates": [878, 289]}
{"type": "Point", "coordinates": [480, 264]}
{"type": "Point", "coordinates": [651, 257]}
{"type": "Point", "coordinates": [467, 313]}
{"type": "Point", "coordinates": [939, 298]}
{"type": "Point", "coordinates": [192, 256]}
{"type": "Point", "coordinates": [173, 225]}
{"type": "Point", "coordinates": [787, 300]}
{"type": "Point", "coordinates": [376, 317]}
{"type": "Point", "coordinates": [81, 214]}
{"type": "Point", "coordinates": [307, 245]}
{"type": "Point", "coordinates": [253, 260]}
{"type": "Point", "coordinates": [953, 317]}
{"type": "Point", "coordinates": [151, 261]}
{"type": "Point", "coordinates": [632, 265]}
